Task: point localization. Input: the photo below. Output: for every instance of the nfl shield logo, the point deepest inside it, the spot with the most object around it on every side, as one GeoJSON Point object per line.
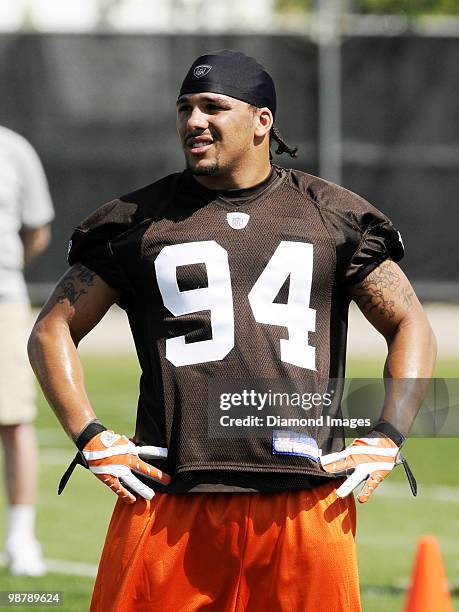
{"type": "Point", "coordinates": [237, 220]}
{"type": "Point", "coordinates": [201, 70]}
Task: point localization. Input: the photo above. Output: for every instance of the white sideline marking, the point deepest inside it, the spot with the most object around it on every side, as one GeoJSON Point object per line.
{"type": "Point", "coordinates": [71, 567]}
{"type": "Point", "coordinates": [56, 456]}
{"type": "Point", "coordinates": [399, 490]}
{"type": "Point", "coordinates": [59, 566]}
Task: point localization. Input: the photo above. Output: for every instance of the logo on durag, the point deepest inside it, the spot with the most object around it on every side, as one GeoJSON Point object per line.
{"type": "Point", "coordinates": [237, 220]}
{"type": "Point", "coordinates": [201, 70]}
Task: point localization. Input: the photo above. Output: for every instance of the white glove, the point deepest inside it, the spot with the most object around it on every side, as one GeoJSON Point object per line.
{"type": "Point", "coordinates": [366, 460]}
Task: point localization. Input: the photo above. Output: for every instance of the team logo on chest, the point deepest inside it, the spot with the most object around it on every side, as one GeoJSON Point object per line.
{"type": "Point", "coordinates": [237, 220]}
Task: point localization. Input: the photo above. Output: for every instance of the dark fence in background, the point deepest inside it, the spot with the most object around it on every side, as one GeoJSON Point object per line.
{"type": "Point", "coordinates": [100, 110]}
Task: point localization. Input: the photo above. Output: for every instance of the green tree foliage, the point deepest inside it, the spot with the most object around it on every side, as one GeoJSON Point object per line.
{"type": "Point", "coordinates": [400, 7]}
{"type": "Point", "coordinates": [285, 6]}
{"type": "Point", "coordinates": [409, 7]}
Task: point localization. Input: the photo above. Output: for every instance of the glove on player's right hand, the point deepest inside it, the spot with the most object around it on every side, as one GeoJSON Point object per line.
{"type": "Point", "coordinates": [115, 460]}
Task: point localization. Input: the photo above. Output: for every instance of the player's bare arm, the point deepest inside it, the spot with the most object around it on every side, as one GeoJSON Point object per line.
{"type": "Point", "coordinates": [79, 301]}
{"type": "Point", "coordinates": [388, 301]}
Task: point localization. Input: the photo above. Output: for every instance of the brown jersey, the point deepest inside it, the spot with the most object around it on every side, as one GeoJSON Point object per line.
{"type": "Point", "coordinates": [246, 286]}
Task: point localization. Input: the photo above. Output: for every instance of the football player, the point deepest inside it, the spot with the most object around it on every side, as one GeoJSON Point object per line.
{"type": "Point", "coordinates": [232, 269]}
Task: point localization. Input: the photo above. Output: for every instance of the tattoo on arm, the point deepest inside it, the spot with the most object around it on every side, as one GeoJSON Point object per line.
{"type": "Point", "coordinates": [370, 294]}
{"type": "Point", "coordinates": [406, 296]}
{"type": "Point", "coordinates": [382, 289]}
{"type": "Point", "coordinates": [75, 284]}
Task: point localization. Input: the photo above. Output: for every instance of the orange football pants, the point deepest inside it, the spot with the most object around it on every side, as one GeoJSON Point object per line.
{"type": "Point", "coordinates": [292, 551]}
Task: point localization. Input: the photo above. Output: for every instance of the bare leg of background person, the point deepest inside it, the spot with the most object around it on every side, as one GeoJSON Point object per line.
{"type": "Point", "coordinates": [21, 475]}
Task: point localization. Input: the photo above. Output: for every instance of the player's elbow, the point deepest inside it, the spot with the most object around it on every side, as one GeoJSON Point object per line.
{"type": "Point", "coordinates": [415, 337]}
{"type": "Point", "coordinates": [430, 347]}
{"type": "Point", "coordinates": [45, 337]}
{"type": "Point", "coordinates": [417, 324]}
{"type": "Point", "coordinates": [432, 342]}
{"type": "Point", "coordinates": [36, 344]}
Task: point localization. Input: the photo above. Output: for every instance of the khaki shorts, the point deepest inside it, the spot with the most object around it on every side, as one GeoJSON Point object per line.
{"type": "Point", "coordinates": [17, 388]}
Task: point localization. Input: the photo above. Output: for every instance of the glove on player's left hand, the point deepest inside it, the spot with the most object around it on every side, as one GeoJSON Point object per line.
{"type": "Point", "coordinates": [366, 459]}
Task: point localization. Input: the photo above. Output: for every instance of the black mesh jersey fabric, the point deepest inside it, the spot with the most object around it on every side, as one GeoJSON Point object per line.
{"type": "Point", "coordinates": [211, 299]}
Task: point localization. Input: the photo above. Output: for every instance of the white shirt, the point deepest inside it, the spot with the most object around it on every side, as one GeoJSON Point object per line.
{"type": "Point", "coordinates": [24, 201]}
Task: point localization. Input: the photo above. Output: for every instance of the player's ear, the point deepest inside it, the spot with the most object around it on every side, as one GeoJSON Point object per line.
{"type": "Point", "coordinates": [263, 121]}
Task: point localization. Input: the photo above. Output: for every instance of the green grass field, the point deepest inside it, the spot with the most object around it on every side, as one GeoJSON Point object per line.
{"type": "Point", "coordinates": [72, 527]}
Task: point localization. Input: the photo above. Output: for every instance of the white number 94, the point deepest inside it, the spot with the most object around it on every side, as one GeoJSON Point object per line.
{"type": "Point", "coordinates": [290, 259]}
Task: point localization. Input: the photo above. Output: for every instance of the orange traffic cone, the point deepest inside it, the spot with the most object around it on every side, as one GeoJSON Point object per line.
{"type": "Point", "coordinates": [429, 589]}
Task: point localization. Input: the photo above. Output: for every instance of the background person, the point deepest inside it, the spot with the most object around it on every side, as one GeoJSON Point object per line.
{"type": "Point", "coordinates": [26, 211]}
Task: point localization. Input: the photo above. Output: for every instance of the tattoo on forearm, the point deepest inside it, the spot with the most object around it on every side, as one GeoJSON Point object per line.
{"type": "Point", "coordinates": [370, 293]}
{"type": "Point", "coordinates": [75, 284]}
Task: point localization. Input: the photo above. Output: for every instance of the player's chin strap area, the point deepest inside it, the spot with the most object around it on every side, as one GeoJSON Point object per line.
{"type": "Point", "coordinates": [391, 432]}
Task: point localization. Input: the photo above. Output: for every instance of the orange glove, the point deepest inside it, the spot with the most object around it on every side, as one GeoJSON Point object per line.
{"type": "Point", "coordinates": [115, 460]}
{"type": "Point", "coordinates": [366, 459]}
